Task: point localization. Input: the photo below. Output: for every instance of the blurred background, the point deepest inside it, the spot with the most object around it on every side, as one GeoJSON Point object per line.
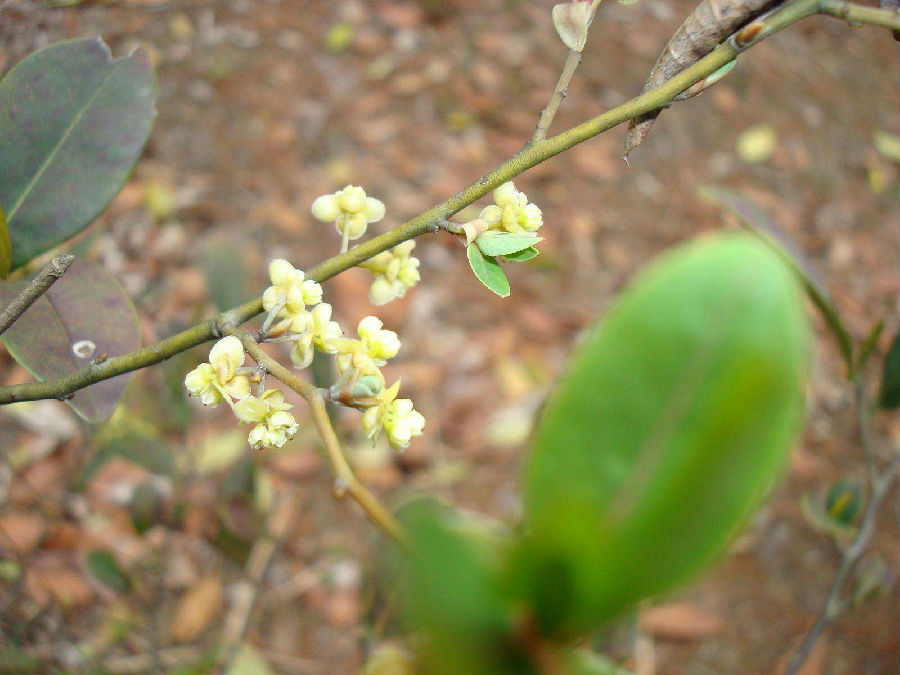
{"type": "Point", "coordinates": [125, 548]}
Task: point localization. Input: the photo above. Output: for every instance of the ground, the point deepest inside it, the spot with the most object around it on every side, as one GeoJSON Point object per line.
{"type": "Point", "coordinates": [265, 105]}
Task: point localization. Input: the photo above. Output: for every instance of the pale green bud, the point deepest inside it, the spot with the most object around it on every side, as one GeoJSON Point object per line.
{"type": "Point", "coordinates": [506, 195]}
{"type": "Point", "coordinates": [326, 208]}
{"type": "Point", "coordinates": [352, 199]}
{"type": "Point", "coordinates": [374, 209]}
{"type": "Point", "coordinates": [382, 291]}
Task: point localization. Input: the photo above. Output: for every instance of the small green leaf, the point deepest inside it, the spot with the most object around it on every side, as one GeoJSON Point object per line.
{"type": "Point", "coordinates": [868, 345]}
{"type": "Point", "coordinates": [523, 255]}
{"type": "Point", "coordinates": [145, 507]}
{"type": "Point", "coordinates": [488, 271]}
{"type": "Point", "coordinates": [889, 395]}
{"type": "Point", "coordinates": [5, 247]}
{"type": "Point", "coordinates": [73, 122]}
{"type": "Point", "coordinates": [107, 571]}
{"type": "Point", "coordinates": [504, 243]}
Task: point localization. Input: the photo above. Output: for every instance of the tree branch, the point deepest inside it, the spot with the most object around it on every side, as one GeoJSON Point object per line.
{"type": "Point", "coordinates": [345, 481]}
{"type": "Point", "coordinates": [52, 271]}
{"type": "Point", "coordinates": [429, 221]}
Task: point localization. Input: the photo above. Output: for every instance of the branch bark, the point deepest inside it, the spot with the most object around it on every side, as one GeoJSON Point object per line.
{"type": "Point", "coordinates": [52, 271]}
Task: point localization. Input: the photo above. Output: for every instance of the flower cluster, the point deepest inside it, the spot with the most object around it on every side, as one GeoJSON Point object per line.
{"type": "Point", "coordinates": [350, 210]}
{"type": "Point", "coordinates": [395, 417]}
{"type": "Point", "coordinates": [511, 211]}
{"type": "Point", "coordinates": [224, 378]}
{"type": "Point", "coordinates": [296, 314]}
{"type": "Point", "coordinates": [395, 272]}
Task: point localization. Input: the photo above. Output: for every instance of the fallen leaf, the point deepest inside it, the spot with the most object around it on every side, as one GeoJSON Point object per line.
{"type": "Point", "coordinates": [197, 609]}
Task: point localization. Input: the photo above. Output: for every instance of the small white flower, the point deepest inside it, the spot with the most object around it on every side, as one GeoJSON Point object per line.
{"type": "Point", "coordinates": [273, 425]}
{"type": "Point", "coordinates": [289, 294]}
{"type": "Point", "coordinates": [214, 381]}
{"type": "Point", "coordinates": [395, 272]}
{"type": "Point", "coordinates": [511, 211]}
{"type": "Point", "coordinates": [395, 416]}
{"type": "Point", "coordinates": [321, 334]}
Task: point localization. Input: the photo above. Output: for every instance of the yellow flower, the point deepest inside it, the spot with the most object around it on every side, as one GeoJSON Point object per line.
{"type": "Point", "coordinates": [322, 334]}
{"type": "Point", "coordinates": [395, 416]}
{"type": "Point", "coordinates": [511, 211]}
{"type": "Point", "coordinates": [364, 356]}
{"type": "Point", "coordinates": [214, 381]}
{"type": "Point", "coordinates": [273, 425]}
{"type": "Point", "coordinates": [289, 295]}
{"type": "Point", "coordinates": [395, 271]}
{"type": "Point", "coordinates": [349, 209]}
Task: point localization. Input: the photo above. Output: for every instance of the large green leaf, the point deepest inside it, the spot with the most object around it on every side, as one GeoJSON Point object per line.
{"type": "Point", "coordinates": [670, 424]}
{"type": "Point", "coordinates": [73, 122]}
{"type": "Point", "coordinates": [487, 270]}
{"type": "Point", "coordinates": [84, 315]}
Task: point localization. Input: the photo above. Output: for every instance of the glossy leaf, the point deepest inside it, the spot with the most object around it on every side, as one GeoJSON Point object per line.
{"type": "Point", "coordinates": [889, 395]}
{"type": "Point", "coordinates": [671, 423]}
{"type": "Point", "coordinates": [523, 255]}
{"type": "Point", "coordinates": [5, 247]}
{"type": "Point", "coordinates": [487, 270]}
{"type": "Point", "coordinates": [106, 569]}
{"type": "Point", "coordinates": [504, 243]}
{"type": "Point", "coordinates": [73, 122]}
{"type": "Point", "coordinates": [86, 307]}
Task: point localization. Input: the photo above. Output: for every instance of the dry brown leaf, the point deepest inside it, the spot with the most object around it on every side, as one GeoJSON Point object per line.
{"type": "Point", "coordinates": [680, 621]}
{"type": "Point", "coordinates": [21, 532]}
{"type": "Point", "coordinates": [197, 609]}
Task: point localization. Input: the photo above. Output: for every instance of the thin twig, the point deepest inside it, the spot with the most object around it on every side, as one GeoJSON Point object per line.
{"type": "Point", "coordinates": [851, 556]}
{"type": "Point", "coordinates": [52, 271]}
{"type": "Point", "coordinates": [279, 523]}
{"type": "Point", "coordinates": [428, 221]}
{"type": "Point", "coordinates": [345, 481]}
{"type": "Point", "coordinates": [562, 85]}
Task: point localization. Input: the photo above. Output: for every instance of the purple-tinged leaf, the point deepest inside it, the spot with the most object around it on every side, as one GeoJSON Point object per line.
{"type": "Point", "coordinates": [84, 316]}
{"type": "Point", "coordinates": [73, 122]}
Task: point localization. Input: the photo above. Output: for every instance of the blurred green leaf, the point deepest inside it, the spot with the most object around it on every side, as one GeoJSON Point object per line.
{"type": "Point", "coordinates": [523, 255]}
{"type": "Point", "coordinates": [889, 394]}
{"type": "Point", "coordinates": [487, 270]}
{"type": "Point", "coordinates": [5, 247]}
{"type": "Point", "coordinates": [671, 423]}
{"type": "Point", "coordinates": [843, 501]}
{"type": "Point", "coordinates": [868, 345]}
{"type": "Point", "coordinates": [758, 221]}
{"type": "Point", "coordinates": [227, 277]}
{"type": "Point", "coordinates": [453, 593]}
{"type": "Point", "coordinates": [106, 569]}
{"type": "Point", "coordinates": [145, 507]}
{"type": "Point", "coordinates": [505, 243]}
{"type": "Point", "coordinates": [73, 122]}
{"type": "Point", "coordinates": [84, 315]}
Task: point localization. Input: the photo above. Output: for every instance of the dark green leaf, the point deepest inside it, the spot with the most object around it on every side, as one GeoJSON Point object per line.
{"type": "Point", "coordinates": [5, 247]}
{"type": "Point", "coordinates": [73, 122]}
{"type": "Point", "coordinates": [523, 255]}
{"type": "Point", "coordinates": [107, 571]}
{"type": "Point", "coordinates": [86, 306]}
{"type": "Point", "coordinates": [889, 395]}
{"type": "Point", "coordinates": [669, 426]}
{"type": "Point", "coordinates": [488, 271]}
{"type": "Point", "coordinates": [868, 345]}
{"type": "Point", "coordinates": [504, 243]}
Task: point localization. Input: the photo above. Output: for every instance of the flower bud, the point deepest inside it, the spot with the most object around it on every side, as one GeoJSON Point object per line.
{"type": "Point", "coordinates": [326, 208]}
